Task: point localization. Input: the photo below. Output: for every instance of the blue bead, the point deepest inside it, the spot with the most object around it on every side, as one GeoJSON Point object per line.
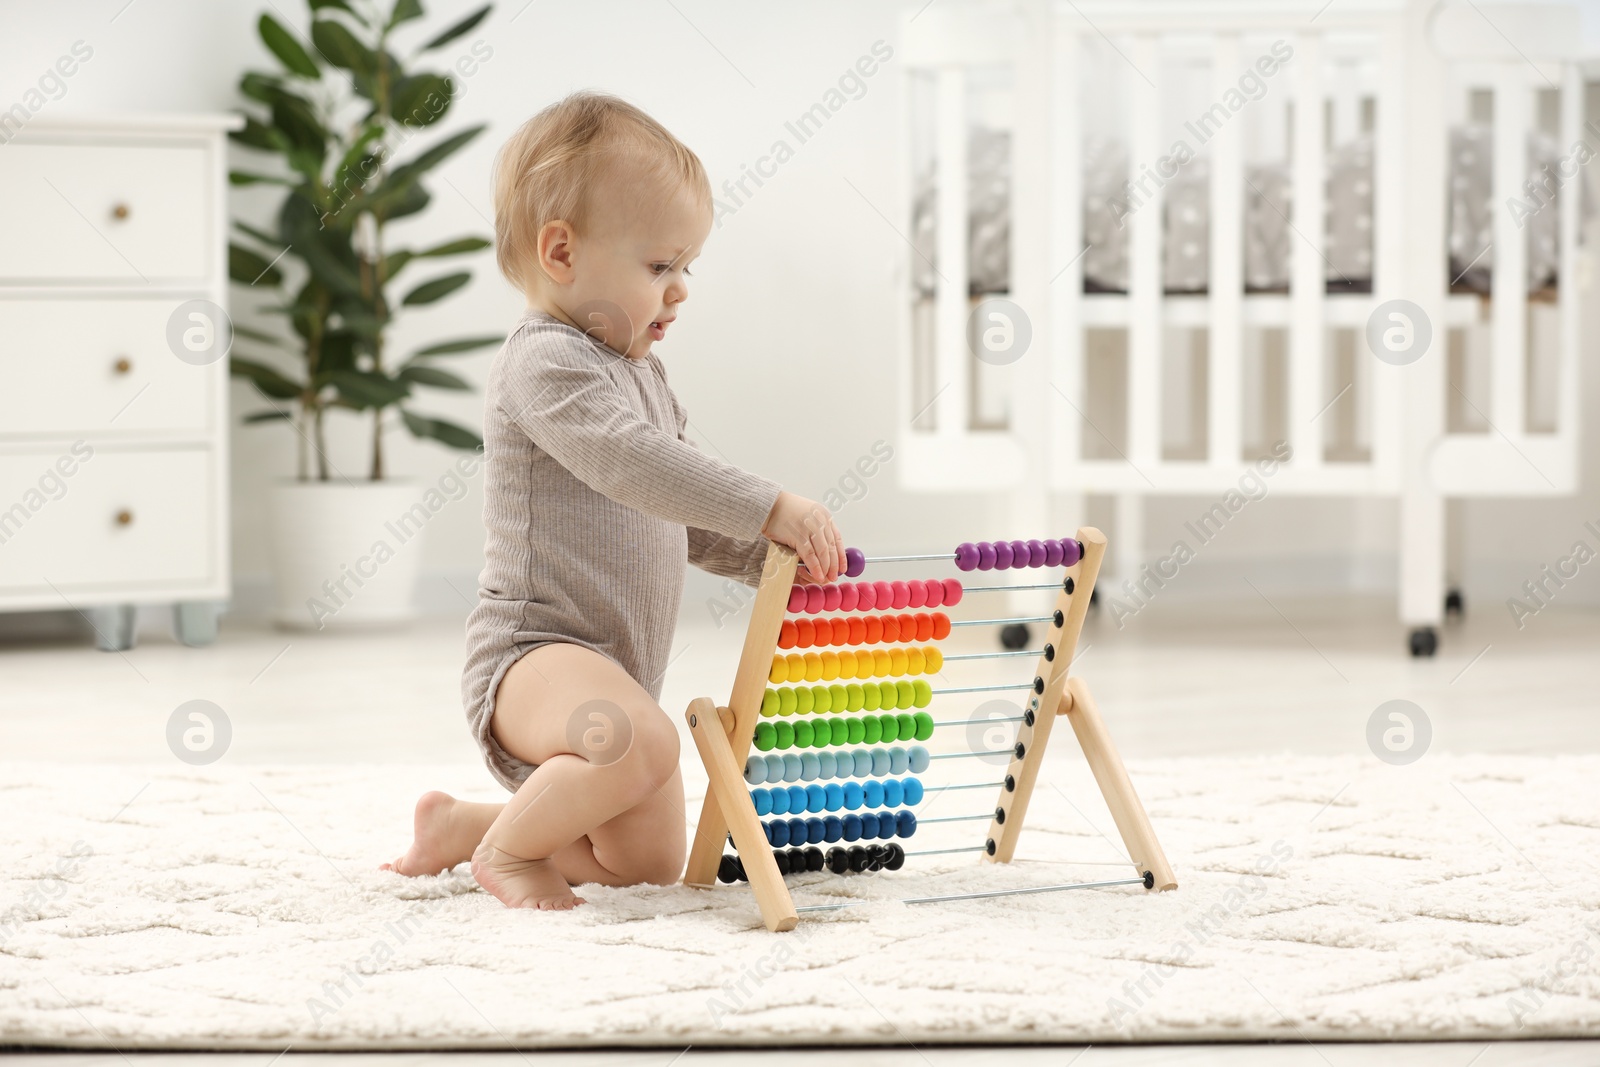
{"type": "Point", "coordinates": [899, 760]}
{"type": "Point", "coordinates": [906, 823]}
{"type": "Point", "coordinates": [832, 828]}
{"type": "Point", "coordinates": [835, 796]}
{"type": "Point", "coordinates": [762, 799]}
{"type": "Point", "coordinates": [863, 760]}
{"type": "Point", "coordinates": [774, 762]}
{"type": "Point", "coordinates": [852, 795]}
{"type": "Point", "coordinates": [886, 824]}
{"type": "Point", "coordinates": [778, 801]}
{"type": "Point", "coordinates": [816, 798]}
{"type": "Point", "coordinates": [913, 792]}
{"type": "Point", "coordinates": [827, 765]}
{"type": "Point", "coordinates": [791, 767]}
{"type": "Point", "coordinates": [815, 831]}
{"type": "Point", "coordinates": [778, 833]}
{"type": "Point", "coordinates": [892, 793]}
{"type": "Point", "coordinates": [918, 759]}
{"type": "Point", "coordinates": [852, 827]}
{"type": "Point", "coordinates": [810, 767]}
{"type": "Point", "coordinates": [872, 793]}
{"type": "Point", "coordinates": [755, 770]}
{"type": "Point", "coordinates": [869, 826]}
{"type": "Point", "coordinates": [880, 762]}
{"type": "Point", "coordinates": [797, 799]}
{"type": "Point", "coordinates": [798, 831]}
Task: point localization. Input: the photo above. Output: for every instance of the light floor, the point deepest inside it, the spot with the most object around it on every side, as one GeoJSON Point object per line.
{"type": "Point", "coordinates": [1296, 676]}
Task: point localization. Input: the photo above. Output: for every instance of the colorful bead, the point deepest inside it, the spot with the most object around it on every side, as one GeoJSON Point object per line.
{"type": "Point", "coordinates": [1071, 551]}
{"type": "Point", "coordinates": [1002, 555]}
{"type": "Point", "coordinates": [922, 725]}
{"type": "Point", "coordinates": [849, 594]}
{"type": "Point", "coordinates": [985, 556]}
{"type": "Point", "coordinates": [855, 562]}
{"type": "Point", "coordinates": [952, 592]}
{"type": "Point", "coordinates": [814, 598]}
{"type": "Point", "coordinates": [766, 736]}
{"type": "Point", "coordinates": [934, 596]}
{"type": "Point", "coordinates": [797, 599]}
{"type": "Point", "coordinates": [941, 626]}
{"type": "Point", "coordinates": [913, 792]}
{"type": "Point", "coordinates": [966, 556]}
{"type": "Point", "coordinates": [918, 594]}
{"type": "Point", "coordinates": [830, 598]}
{"type": "Point", "coordinates": [918, 757]}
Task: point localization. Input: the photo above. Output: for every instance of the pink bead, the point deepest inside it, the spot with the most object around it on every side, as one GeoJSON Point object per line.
{"type": "Point", "coordinates": [1052, 553]}
{"type": "Point", "coordinates": [882, 595]}
{"type": "Point", "coordinates": [952, 592]}
{"type": "Point", "coordinates": [985, 556]}
{"type": "Point", "coordinates": [813, 598]}
{"type": "Point", "coordinates": [866, 597]}
{"type": "Point", "coordinates": [933, 593]}
{"type": "Point", "coordinates": [1002, 555]}
{"type": "Point", "coordinates": [1036, 553]}
{"type": "Point", "coordinates": [797, 599]}
{"type": "Point", "coordinates": [900, 595]}
{"type": "Point", "coordinates": [919, 595]}
{"type": "Point", "coordinates": [966, 555]}
{"type": "Point", "coordinates": [830, 598]}
{"type": "Point", "coordinates": [848, 594]}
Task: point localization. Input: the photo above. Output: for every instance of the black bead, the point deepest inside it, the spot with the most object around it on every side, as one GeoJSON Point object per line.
{"type": "Point", "coordinates": [726, 871]}
{"type": "Point", "coordinates": [1059, 618]}
{"type": "Point", "coordinates": [1021, 750]}
{"type": "Point", "coordinates": [838, 860]}
{"type": "Point", "coordinates": [877, 855]}
{"type": "Point", "coordinates": [988, 846]}
{"type": "Point", "coordinates": [781, 860]}
{"type": "Point", "coordinates": [797, 860]}
{"type": "Point", "coordinates": [1070, 584]}
{"type": "Point", "coordinates": [858, 858]}
{"type": "Point", "coordinates": [1049, 652]}
{"type": "Point", "coordinates": [1149, 880]}
{"type": "Point", "coordinates": [1011, 783]}
{"type": "Point", "coordinates": [897, 856]}
{"type": "Point", "coordinates": [1038, 684]}
{"type": "Point", "coordinates": [1000, 815]}
{"type": "Point", "coordinates": [1027, 717]}
{"type": "Point", "coordinates": [814, 861]}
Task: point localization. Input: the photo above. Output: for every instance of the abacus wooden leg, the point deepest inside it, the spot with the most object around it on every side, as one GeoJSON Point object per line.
{"type": "Point", "coordinates": [1109, 773]}
{"type": "Point", "coordinates": [727, 785]}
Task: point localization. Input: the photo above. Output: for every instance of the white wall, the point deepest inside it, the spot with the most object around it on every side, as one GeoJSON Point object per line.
{"type": "Point", "coordinates": [784, 355]}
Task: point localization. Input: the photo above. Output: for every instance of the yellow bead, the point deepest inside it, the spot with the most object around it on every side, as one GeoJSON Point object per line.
{"type": "Point", "coordinates": [813, 667]}
{"type": "Point", "coordinates": [797, 667]}
{"type": "Point", "coordinates": [802, 701]}
{"type": "Point", "coordinates": [780, 670]}
{"type": "Point", "coordinates": [769, 702]}
{"type": "Point", "coordinates": [934, 658]}
{"type": "Point", "coordinates": [897, 661]}
{"type": "Point", "coordinates": [821, 699]}
{"type": "Point", "coordinates": [786, 701]}
{"type": "Point", "coordinates": [880, 663]}
{"type": "Point", "coordinates": [830, 666]}
{"type": "Point", "coordinates": [915, 661]}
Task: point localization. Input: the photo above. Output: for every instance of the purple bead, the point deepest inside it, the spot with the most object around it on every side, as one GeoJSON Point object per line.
{"type": "Point", "coordinates": [1052, 553]}
{"type": "Point", "coordinates": [1071, 550]}
{"type": "Point", "coordinates": [1036, 553]}
{"type": "Point", "coordinates": [855, 561]}
{"type": "Point", "coordinates": [985, 556]}
{"type": "Point", "coordinates": [1019, 554]}
{"type": "Point", "coordinates": [966, 555]}
{"type": "Point", "coordinates": [1002, 556]}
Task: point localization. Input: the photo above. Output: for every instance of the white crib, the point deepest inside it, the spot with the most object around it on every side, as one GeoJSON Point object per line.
{"type": "Point", "coordinates": [1211, 378]}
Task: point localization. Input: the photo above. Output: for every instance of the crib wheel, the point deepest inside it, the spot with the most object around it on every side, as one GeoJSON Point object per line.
{"type": "Point", "coordinates": [1424, 641]}
{"type": "Point", "coordinates": [1014, 635]}
{"type": "Point", "coordinates": [1453, 604]}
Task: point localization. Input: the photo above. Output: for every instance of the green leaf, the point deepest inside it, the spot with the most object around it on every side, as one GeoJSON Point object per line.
{"type": "Point", "coordinates": [368, 389]}
{"type": "Point", "coordinates": [288, 50]}
{"type": "Point", "coordinates": [447, 433]}
{"type": "Point", "coordinates": [404, 11]}
{"type": "Point", "coordinates": [257, 134]}
{"type": "Point", "coordinates": [458, 247]}
{"type": "Point", "coordinates": [269, 416]}
{"type": "Point", "coordinates": [465, 344]}
{"type": "Point", "coordinates": [437, 289]}
{"type": "Point", "coordinates": [297, 120]}
{"type": "Point", "coordinates": [439, 379]}
{"type": "Point", "coordinates": [240, 177]}
{"type": "Point", "coordinates": [258, 86]}
{"type": "Point", "coordinates": [259, 335]}
{"type": "Point", "coordinates": [260, 235]}
{"type": "Point", "coordinates": [462, 27]}
{"type": "Point", "coordinates": [411, 200]}
{"type": "Point", "coordinates": [394, 262]}
{"type": "Point", "coordinates": [248, 267]}
{"type": "Point", "coordinates": [318, 5]}
{"type": "Point", "coordinates": [341, 48]}
{"type": "Point", "coordinates": [420, 99]}
{"type": "Point", "coordinates": [268, 380]}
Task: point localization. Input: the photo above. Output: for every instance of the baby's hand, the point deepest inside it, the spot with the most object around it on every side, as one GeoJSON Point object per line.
{"type": "Point", "coordinates": [808, 528]}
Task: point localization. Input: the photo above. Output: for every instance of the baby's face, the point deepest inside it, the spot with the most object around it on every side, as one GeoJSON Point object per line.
{"type": "Point", "coordinates": [634, 260]}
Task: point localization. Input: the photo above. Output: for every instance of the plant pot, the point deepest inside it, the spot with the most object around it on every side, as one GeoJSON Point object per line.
{"type": "Point", "coordinates": [345, 556]}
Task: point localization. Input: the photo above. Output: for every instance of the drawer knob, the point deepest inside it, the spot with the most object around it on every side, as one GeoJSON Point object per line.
{"type": "Point", "coordinates": [124, 517]}
{"type": "Point", "coordinates": [123, 365]}
{"type": "Point", "coordinates": [119, 211]}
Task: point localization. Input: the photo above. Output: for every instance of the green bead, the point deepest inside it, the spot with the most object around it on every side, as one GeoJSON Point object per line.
{"type": "Point", "coordinates": [769, 703]}
{"type": "Point", "coordinates": [802, 700]}
{"type": "Point", "coordinates": [922, 693]}
{"type": "Point", "coordinates": [785, 734]}
{"type": "Point", "coordinates": [821, 699]}
{"type": "Point", "coordinates": [837, 698]}
{"type": "Point", "coordinates": [785, 701]}
{"type": "Point", "coordinates": [924, 728]}
{"type": "Point", "coordinates": [905, 726]}
{"type": "Point", "coordinates": [857, 730]}
{"type": "Point", "coordinates": [803, 731]}
{"type": "Point", "coordinates": [888, 728]}
{"type": "Point", "coordinates": [825, 731]}
{"type": "Point", "coordinates": [853, 697]}
{"type": "Point", "coordinates": [870, 695]}
{"type": "Point", "coordinates": [872, 730]}
{"type": "Point", "coordinates": [905, 696]}
{"type": "Point", "coordinates": [766, 736]}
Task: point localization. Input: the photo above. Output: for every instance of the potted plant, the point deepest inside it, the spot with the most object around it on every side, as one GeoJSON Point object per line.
{"type": "Point", "coordinates": [342, 106]}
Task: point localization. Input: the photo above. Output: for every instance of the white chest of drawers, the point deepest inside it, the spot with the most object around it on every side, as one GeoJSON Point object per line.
{"type": "Point", "coordinates": [113, 449]}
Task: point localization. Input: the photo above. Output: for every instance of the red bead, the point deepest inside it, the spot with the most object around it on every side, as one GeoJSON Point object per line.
{"type": "Point", "coordinates": [952, 592]}
{"type": "Point", "coordinates": [908, 627]}
{"type": "Point", "coordinates": [866, 596]}
{"type": "Point", "coordinates": [924, 627]}
{"type": "Point", "coordinates": [919, 594]}
{"type": "Point", "coordinates": [788, 633]}
{"type": "Point", "coordinates": [941, 626]}
{"type": "Point", "coordinates": [830, 598]}
{"type": "Point", "coordinates": [900, 595]}
{"type": "Point", "coordinates": [891, 628]}
{"type": "Point", "coordinates": [883, 595]}
{"type": "Point", "coordinates": [935, 593]}
{"type": "Point", "coordinates": [805, 633]}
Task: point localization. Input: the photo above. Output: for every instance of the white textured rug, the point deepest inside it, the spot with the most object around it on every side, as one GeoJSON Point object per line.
{"type": "Point", "coordinates": [238, 907]}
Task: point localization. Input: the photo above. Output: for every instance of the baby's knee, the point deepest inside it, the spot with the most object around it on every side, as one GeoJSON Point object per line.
{"type": "Point", "coordinates": [655, 743]}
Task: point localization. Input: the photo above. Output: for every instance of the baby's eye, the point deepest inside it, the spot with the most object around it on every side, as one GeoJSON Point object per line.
{"type": "Point", "coordinates": [659, 267]}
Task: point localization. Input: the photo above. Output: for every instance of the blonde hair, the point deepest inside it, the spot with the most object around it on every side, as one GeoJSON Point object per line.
{"type": "Point", "coordinates": [550, 166]}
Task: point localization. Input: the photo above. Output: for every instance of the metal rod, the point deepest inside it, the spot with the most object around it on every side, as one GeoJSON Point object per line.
{"type": "Point", "coordinates": [963, 755]}
{"type": "Point", "coordinates": [980, 688]}
{"type": "Point", "coordinates": [979, 896]}
{"type": "Point", "coordinates": [996, 655]}
{"type": "Point", "coordinates": [956, 818]}
{"type": "Point", "coordinates": [1008, 588]}
{"type": "Point", "coordinates": [951, 556]}
{"type": "Point", "coordinates": [947, 851]}
{"type": "Point", "coordinates": [995, 622]}
{"type": "Point", "coordinates": [967, 785]}
{"type": "Point", "coordinates": [968, 722]}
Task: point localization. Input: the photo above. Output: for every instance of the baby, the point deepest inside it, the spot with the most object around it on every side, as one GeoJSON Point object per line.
{"type": "Point", "coordinates": [593, 501]}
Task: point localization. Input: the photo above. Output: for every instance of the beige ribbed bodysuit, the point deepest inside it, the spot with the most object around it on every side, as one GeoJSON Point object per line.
{"type": "Point", "coordinates": [593, 502]}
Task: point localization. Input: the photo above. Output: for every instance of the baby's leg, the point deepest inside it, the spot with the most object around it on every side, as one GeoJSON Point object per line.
{"type": "Point", "coordinates": [607, 769]}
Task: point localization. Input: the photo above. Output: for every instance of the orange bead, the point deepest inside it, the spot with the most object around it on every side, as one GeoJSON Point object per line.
{"type": "Point", "coordinates": [908, 627]}
{"type": "Point", "coordinates": [786, 635]}
{"type": "Point", "coordinates": [941, 626]}
{"type": "Point", "coordinates": [805, 633]}
{"type": "Point", "coordinates": [858, 630]}
{"type": "Point", "coordinates": [924, 626]}
{"type": "Point", "coordinates": [874, 629]}
{"type": "Point", "coordinates": [841, 631]}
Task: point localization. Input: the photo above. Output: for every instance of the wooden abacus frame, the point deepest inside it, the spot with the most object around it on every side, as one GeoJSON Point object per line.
{"type": "Point", "coordinates": [724, 736]}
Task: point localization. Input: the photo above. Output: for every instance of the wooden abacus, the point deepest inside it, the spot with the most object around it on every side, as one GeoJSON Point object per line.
{"type": "Point", "coordinates": [771, 719]}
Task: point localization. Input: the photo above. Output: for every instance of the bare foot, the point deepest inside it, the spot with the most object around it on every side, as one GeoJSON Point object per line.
{"type": "Point", "coordinates": [522, 883]}
{"type": "Point", "coordinates": [430, 853]}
